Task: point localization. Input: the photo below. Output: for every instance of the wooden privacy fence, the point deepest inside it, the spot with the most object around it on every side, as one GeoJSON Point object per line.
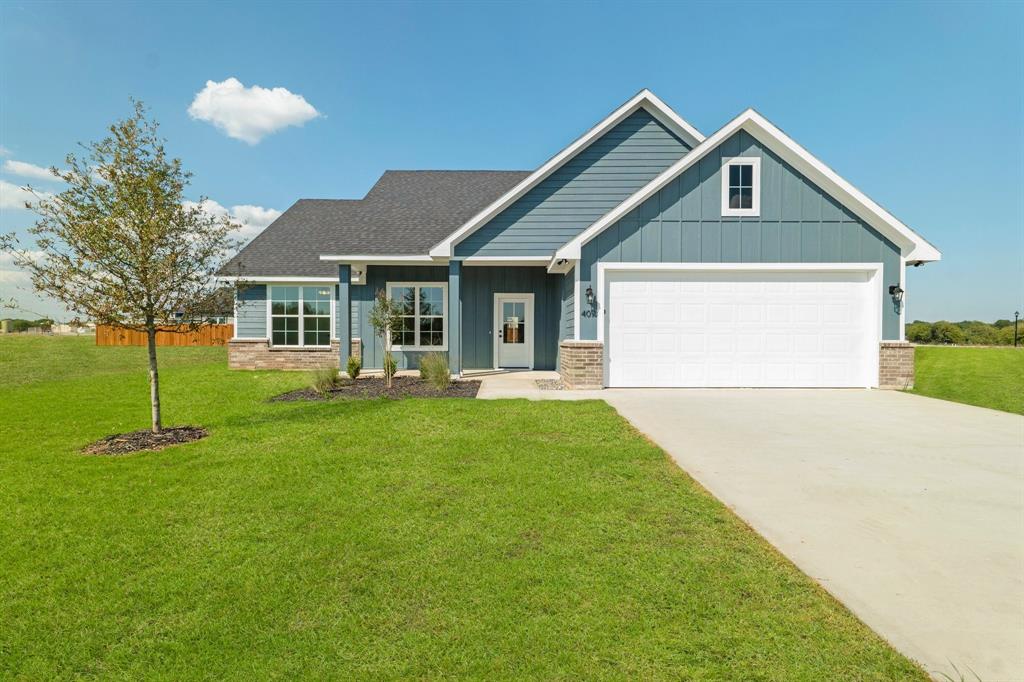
{"type": "Point", "coordinates": [206, 335]}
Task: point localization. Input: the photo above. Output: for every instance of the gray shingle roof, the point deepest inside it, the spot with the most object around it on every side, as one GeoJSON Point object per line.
{"type": "Point", "coordinates": [405, 213]}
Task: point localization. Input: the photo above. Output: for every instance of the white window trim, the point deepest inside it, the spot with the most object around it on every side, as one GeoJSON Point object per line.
{"type": "Point", "coordinates": [302, 340]}
{"type": "Point", "coordinates": [755, 209]}
{"type": "Point", "coordinates": [444, 315]}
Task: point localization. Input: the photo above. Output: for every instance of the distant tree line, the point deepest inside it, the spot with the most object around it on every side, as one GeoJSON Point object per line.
{"type": "Point", "coordinates": [19, 325]}
{"type": "Point", "coordinates": [966, 333]}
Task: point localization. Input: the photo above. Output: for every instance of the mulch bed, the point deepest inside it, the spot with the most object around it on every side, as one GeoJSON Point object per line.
{"type": "Point", "coordinates": [143, 441]}
{"type": "Point", "coordinates": [375, 387]}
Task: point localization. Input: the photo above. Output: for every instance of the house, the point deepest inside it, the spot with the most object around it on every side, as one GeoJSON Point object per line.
{"type": "Point", "coordinates": [642, 254]}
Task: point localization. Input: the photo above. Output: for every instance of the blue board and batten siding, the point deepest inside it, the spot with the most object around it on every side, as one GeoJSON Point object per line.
{"type": "Point", "coordinates": [799, 223]}
{"type": "Point", "coordinates": [582, 190]}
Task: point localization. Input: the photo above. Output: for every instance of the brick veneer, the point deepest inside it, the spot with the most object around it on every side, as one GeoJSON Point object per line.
{"type": "Point", "coordinates": [581, 364]}
{"type": "Point", "coordinates": [244, 354]}
{"type": "Point", "coordinates": [895, 365]}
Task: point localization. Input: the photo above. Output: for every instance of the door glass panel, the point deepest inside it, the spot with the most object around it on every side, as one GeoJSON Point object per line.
{"type": "Point", "coordinates": [513, 322]}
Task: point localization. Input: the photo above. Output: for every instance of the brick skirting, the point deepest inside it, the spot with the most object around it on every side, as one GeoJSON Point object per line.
{"type": "Point", "coordinates": [581, 364]}
{"type": "Point", "coordinates": [895, 365]}
{"type": "Point", "coordinates": [244, 354]}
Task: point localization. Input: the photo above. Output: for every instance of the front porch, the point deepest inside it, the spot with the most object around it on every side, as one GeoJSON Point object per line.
{"type": "Point", "coordinates": [481, 317]}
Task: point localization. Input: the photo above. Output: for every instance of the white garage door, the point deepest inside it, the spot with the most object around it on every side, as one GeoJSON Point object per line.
{"type": "Point", "coordinates": [742, 328]}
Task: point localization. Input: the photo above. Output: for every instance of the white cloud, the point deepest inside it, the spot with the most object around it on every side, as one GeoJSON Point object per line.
{"type": "Point", "coordinates": [249, 114]}
{"type": "Point", "coordinates": [28, 170]}
{"type": "Point", "coordinates": [11, 273]}
{"type": "Point", "coordinates": [5, 151]}
{"type": "Point", "coordinates": [253, 219]}
{"type": "Point", "coordinates": [14, 197]}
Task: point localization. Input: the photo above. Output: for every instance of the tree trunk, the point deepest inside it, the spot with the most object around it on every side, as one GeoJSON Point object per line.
{"type": "Point", "coordinates": [154, 376]}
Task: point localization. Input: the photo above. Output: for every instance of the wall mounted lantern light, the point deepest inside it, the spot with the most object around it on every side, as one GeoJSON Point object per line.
{"type": "Point", "coordinates": [590, 296]}
{"type": "Point", "coordinates": [896, 291]}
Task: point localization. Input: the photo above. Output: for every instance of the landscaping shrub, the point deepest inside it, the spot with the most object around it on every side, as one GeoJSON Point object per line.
{"type": "Point", "coordinates": [325, 379]}
{"type": "Point", "coordinates": [434, 369]}
{"type": "Point", "coordinates": [354, 366]}
{"type": "Point", "coordinates": [390, 366]}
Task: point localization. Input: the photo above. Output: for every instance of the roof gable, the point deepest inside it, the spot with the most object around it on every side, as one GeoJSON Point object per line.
{"type": "Point", "coordinates": [582, 190]}
{"type": "Point", "coordinates": [644, 99]}
{"type": "Point", "coordinates": [913, 246]}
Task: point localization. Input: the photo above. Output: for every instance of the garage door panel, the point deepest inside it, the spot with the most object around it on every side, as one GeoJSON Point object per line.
{"type": "Point", "coordinates": [692, 328]}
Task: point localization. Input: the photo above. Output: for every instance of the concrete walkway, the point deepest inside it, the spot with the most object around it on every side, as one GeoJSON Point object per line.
{"type": "Point", "coordinates": [907, 509]}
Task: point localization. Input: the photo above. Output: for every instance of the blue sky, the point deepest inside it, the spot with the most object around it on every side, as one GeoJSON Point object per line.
{"type": "Point", "coordinates": [918, 105]}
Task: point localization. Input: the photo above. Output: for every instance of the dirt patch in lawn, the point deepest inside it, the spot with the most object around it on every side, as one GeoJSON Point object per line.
{"type": "Point", "coordinates": [375, 387]}
{"type": "Point", "coordinates": [143, 441]}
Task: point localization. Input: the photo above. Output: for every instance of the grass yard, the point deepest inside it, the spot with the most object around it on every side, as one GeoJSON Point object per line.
{"type": "Point", "coordinates": [375, 539]}
{"type": "Point", "coordinates": [989, 377]}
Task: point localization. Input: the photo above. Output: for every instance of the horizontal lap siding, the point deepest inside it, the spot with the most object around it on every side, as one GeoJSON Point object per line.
{"type": "Point", "coordinates": [585, 188]}
{"type": "Point", "coordinates": [479, 284]}
{"type": "Point", "coordinates": [251, 312]}
{"type": "Point", "coordinates": [799, 223]}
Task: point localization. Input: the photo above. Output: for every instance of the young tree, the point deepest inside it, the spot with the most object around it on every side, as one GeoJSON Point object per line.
{"type": "Point", "coordinates": [386, 319]}
{"type": "Point", "coordinates": [120, 245]}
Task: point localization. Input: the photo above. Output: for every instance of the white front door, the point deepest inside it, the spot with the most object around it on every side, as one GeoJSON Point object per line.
{"type": "Point", "coordinates": [513, 330]}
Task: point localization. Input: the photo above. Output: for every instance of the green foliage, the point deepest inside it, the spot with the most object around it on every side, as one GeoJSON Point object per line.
{"type": "Point", "coordinates": [386, 318]}
{"type": "Point", "coordinates": [20, 325]}
{"type": "Point", "coordinates": [325, 379]}
{"type": "Point", "coordinates": [919, 332]}
{"type": "Point", "coordinates": [968, 332]}
{"type": "Point", "coordinates": [434, 369]}
{"type": "Point", "coordinates": [120, 244]}
{"type": "Point", "coordinates": [390, 366]}
{"type": "Point", "coordinates": [354, 366]}
{"type": "Point", "coordinates": [347, 539]}
{"type": "Point", "coordinates": [1005, 335]}
{"type": "Point", "coordinates": [947, 333]}
{"type": "Point", "coordinates": [980, 334]}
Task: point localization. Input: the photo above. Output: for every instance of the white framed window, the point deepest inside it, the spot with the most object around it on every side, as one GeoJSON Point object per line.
{"type": "Point", "coordinates": [300, 315]}
{"type": "Point", "coordinates": [424, 308]}
{"type": "Point", "coordinates": [741, 186]}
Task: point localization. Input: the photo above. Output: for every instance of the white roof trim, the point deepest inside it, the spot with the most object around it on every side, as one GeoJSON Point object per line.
{"type": "Point", "coordinates": [362, 258]}
{"type": "Point", "coordinates": [644, 99]}
{"type": "Point", "coordinates": [913, 246]}
{"type": "Point", "coordinates": [260, 279]}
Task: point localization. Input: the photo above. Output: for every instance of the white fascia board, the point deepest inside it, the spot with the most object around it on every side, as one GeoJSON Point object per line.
{"type": "Point", "coordinates": [530, 261]}
{"type": "Point", "coordinates": [643, 99]}
{"type": "Point", "coordinates": [258, 279]}
{"type": "Point", "coordinates": [559, 266]}
{"type": "Point", "coordinates": [381, 259]}
{"type": "Point", "coordinates": [913, 246]}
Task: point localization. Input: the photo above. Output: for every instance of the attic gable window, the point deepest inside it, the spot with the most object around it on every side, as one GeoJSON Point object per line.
{"type": "Point", "coordinates": [741, 186]}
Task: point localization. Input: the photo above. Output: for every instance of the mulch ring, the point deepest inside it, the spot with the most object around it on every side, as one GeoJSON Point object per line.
{"type": "Point", "coordinates": [375, 387]}
{"type": "Point", "coordinates": [144, 441]}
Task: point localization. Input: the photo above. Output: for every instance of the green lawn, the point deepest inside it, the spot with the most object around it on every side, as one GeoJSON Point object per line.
{"type": "Point", "coordinates": [375, 539]}
{"type": "Point", "coordinates": [989, 377]}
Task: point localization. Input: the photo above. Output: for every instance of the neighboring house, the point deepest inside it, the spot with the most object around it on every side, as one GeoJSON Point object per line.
{"type": "Point", "coordinates": [643, 254]}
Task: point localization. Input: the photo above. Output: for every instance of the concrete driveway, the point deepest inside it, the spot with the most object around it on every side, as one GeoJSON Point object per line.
{"type": "Point", "coordinates": [909, 510]}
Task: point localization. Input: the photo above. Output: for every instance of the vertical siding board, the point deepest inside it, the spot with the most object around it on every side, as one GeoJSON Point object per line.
{"type": "Point", "coordinates": [691, 242]}
{"type": "Point", "coordinates": [671, 241]}
{"type": "Point", "coordinates": [770, 241]}
{"type": "Point", "coordinates": [810, 242]}
{"type": "Point", "coordinates": [711, 242]}
{"type": "Point", "coordinates": [830, 242]}
{"type": "Point", "coordinates": [731, 241]}
{"type": "Point", "coordinates": [750, 242]}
